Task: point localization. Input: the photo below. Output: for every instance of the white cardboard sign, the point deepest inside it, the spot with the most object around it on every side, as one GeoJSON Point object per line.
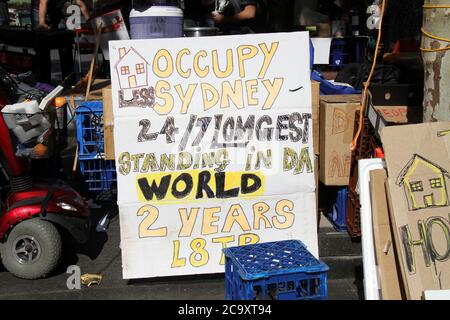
{"type": "Point", "coordinates": [214, 148]}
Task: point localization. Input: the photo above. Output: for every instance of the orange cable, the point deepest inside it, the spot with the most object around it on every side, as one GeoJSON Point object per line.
{"type": "Point", "coordinates": [366, 86]}
{"type": "Point", "coordinates": [437, 6]}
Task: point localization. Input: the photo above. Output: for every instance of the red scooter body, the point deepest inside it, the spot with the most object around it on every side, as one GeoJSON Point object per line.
{"type": "Point", "coordinates": [27, 204]}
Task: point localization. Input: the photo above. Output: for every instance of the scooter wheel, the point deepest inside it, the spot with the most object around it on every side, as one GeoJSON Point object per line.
{"type": "Point", "coordinates": [33, 249]}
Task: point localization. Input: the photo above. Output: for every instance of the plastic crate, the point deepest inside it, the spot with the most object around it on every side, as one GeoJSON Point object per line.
{"type": "Point", "coordinates": [365, 149]}
{"type": "Point", "coordinates": [99, 174]}
{"type": "Point", "coordinates": [282, 270]}
{"type": "Point", "coordinates": [353, 214]}
{"type": "Point", "coordinates": [337, 212]}
{"type": "Point", "coordinates": [89, 120]}
{"type": "Point", "coordinates": [338, 56]}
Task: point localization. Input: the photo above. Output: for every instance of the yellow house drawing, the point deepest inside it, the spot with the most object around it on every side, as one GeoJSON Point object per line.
{"type": "Point", "coordinates": [424, 184]}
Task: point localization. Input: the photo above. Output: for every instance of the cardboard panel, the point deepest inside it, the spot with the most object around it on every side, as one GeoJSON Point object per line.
{"type": "Point", "coordinates": [315, 90]}
{"type": "Point", "coordinates": [186, 238]}
{"type": "Point", "coordinates": [385, 253]}
{"type": "Point", "coordinates": [316, 180]}
{"type": "Point", "coordinates": [418, 162]}
{"type": "Point", "coordinates": [210, 74]}
{"type": "Point", "coordinates": [283, 167]}
{"type": "Point", "coordinates": [212, 136]}
{"type": "Point", "coordinates": [315, 93]}
{"type": "Point", "coordinates": [108, 124]}
{"type": "Point", "coordinates": [337, 121]}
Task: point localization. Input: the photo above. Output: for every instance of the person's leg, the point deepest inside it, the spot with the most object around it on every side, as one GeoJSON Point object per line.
{"type": "Point", "coordinates": [126, 9]}
{"type": "Point", "coordinates": [55, 18]}
{"type": "Point", "coordinates": [41, 61]}
{"type": "Point", "coordinates": [42, 68]}
{"type": "Point", "coordinates": [66, 58]}
{"type": "Point", "coordinates": [4, 15]}
{"type": "Point", "coordinates": [65, 52]}
{"type": "Point", "coordinates": [34, 12]}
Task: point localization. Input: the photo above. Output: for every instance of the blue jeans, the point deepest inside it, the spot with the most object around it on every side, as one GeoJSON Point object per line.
{"type": "Point", "coordinates": [34, 18]}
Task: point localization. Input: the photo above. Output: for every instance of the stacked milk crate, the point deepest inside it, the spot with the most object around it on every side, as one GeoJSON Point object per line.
{"type": "Point", "coordinates": [99, 174]}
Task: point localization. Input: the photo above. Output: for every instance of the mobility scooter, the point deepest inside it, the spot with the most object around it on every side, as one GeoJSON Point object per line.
{"type": "Point", "coordinates": [35, 214]}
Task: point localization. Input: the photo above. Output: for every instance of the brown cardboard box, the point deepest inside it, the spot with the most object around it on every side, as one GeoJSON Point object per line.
{"type": "Point", "coordinates": [385, 253]}
{"type": "Point", "coordinates": [381, 114]}
{"type": "Point", "coordinates": [108, 124]}
{"type": "Point", "coordinates": [418, 163]}
{"type": "Point", "coordinates": [384, 116]}
{"type": "Point", "coordinates": [337, 121]}
{"type": "Point", "coordinates": [315, 99]}
{"type": "Point", "coordinates": [315, 93]}
{"type": "Point", "coordinates": [316, 178]}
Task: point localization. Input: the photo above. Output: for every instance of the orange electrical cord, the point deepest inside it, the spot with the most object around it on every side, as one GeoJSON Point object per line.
{"type": "Point", "coordinates": [367, 84]}
{"type": "Point", "coordinates": [436, 6]}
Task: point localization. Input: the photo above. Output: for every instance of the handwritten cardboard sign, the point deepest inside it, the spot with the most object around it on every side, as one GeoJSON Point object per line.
{"type": "Point", "coordinates": [213, 145]}
{"type": "Point", "coordinates": [337, 121]}
{"type": "Point", "coordinates": [418, 162]}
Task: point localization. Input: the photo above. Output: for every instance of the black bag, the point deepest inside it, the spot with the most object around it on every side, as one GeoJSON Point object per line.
{"type": "Point", "coordinates": [356, 74]}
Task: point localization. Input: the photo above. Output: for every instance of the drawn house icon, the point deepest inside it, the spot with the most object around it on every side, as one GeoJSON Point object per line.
{"type": "Point", "coordinates": [131, 69]}
{"type": "Point", "coordinates": [424, 184]}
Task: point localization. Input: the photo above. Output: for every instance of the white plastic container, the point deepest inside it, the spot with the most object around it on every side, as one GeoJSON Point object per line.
{"type": "Point", "coordinates": [113, 28]}
{"type": "Point", "coordinates": [156, 22]}
{"type": "Point", "coordinates": [26, 120]}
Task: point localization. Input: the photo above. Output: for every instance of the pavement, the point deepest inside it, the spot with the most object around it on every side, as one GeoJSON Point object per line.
{"type": "Point", "coordinates": [102, 255]}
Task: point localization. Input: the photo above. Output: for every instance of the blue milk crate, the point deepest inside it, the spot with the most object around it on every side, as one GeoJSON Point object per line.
{"type": "Point", "coordinates": [281, 270]}
{"type": "Point", "coordinates": [89, 120]}
{"type": "Point", "coordinates": [338, 56]}
{"type": "Point", "coordinates": [337, 212]}
{"type": "Point", "coordinates": [99, 174]}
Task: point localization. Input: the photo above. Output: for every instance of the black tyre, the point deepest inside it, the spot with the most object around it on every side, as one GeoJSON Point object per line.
{"type": "Point", "coordinates": [33, 249]}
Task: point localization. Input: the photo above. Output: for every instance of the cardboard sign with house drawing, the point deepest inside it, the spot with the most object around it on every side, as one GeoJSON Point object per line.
{"type": "Point", "coordinates": [418, 162]}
